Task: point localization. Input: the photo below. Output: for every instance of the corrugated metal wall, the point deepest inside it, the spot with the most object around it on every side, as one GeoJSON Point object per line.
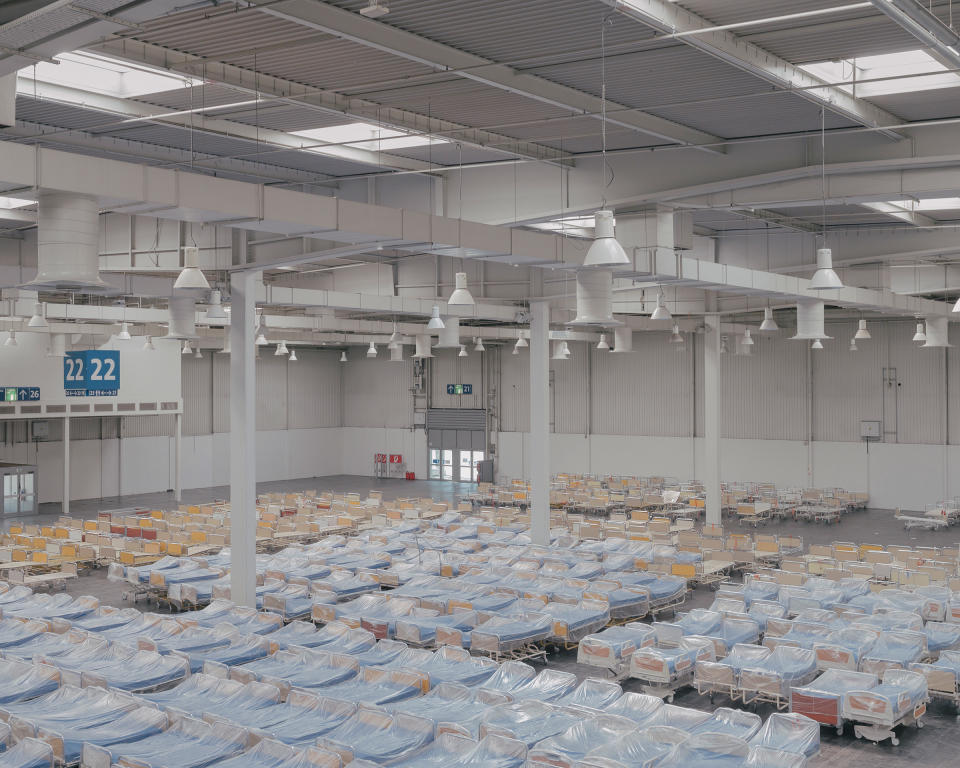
{"type": "Point", "coordinates": [447, 367]}
{"type": "Point", "coordinates": [376, 391]}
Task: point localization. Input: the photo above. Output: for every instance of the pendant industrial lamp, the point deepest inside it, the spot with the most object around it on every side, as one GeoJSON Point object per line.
{"type": "Point", "coordinates": [148, 345]}
{"type": "Point", "coordinates": [435, 323]}
{"type": "Point", "coordinates": [920, 335]}
{"type": "Point", "coordinates": [372, 350]}
{"type": "Point", "coordinates": [862, 332]}
{"type": "Point", "coordinates": [37, 320]}
{"type": "Point", "coordinates": [215, 311]}
{"type": "Point", "coordinates": [675, 337]}
{"type": "Point", "coordinates": [605, 250]}
{"type": "Point", "coordinates": [343, 356]}
{"type": "Point", "coordinates": [747, 338]}
{"type": "Point", "coordinates": [461, 296]}
{"type": "Point", "coordinates": [463, 351]}
{"type": "Point", "coordinates": [293, 356]}
{"type": "Point", "coordinates": [261, 340]}
{"type": "Point", "coordinates": [853, 345]}
{"type": "Point", "coordinates": [825, 278]}
{"type": "Point", "coordinates": [478, 345]}
{"type": "Point", "coordinates": [661, 312]}
{"type": "Point", "coordinates": [124, 334]}
{"type": "Point", "coordinates": [515, 350]}
{"type": "Point", "coordinates": [817, 344]}
{"type": "Point", "coordinates": [768, 324]}
{"type": "Point", "coordinates": [11, 339]}
{"type": "Point", "coordinates": [197, 353]}
{"type": "Point", "coordinates": [187, 349]}
{"type": "Point", "coordinates": [281, 349]}
{"type": "Point", "coordinates": [522, 341]}
{"type": "Point", "coordinates": [191, 278]}
{"type": "Point", "coordinates": [603, 342]}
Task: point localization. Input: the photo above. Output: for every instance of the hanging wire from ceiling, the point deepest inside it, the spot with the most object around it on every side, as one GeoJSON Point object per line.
{"type": "Point", "coordinates": [823, 175]}
{"type": "Point", "coordinates": [605, 167]}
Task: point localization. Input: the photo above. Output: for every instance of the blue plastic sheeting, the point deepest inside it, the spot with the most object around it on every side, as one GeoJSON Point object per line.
{"type": "Point", "coordinates": [310, 721]}
{"type": "Point", "coordinates": [423, 629]}
{"type": "Point", "coordinates": [897, 695]}
{"type": "Point", "coordinates": [762, 610]}
{"type": "Point", "coordinates": [149, 625]}
{"type": "Point", "coordinates": [733, 631]}
{"type": "Point", "coordinates": [802, 634]}
{"type": "Point", "coordinates": [240, 650]}
{"type": "Point", "coordinates": [680, 718]}
{"type": "Point", "coordinates": [786, 667]}
{"type": "Point", "coordinates": [662, 665]}
{"type": "Point", "coordinates": [889, 620]}
{"type": "Point", "coordinates": [60, 606]}
{"type": "Point", "coordinates": [446, 665]}
{"type": "Point", "coordinates": [897, 648]}
{"type": "Point", "coordinates": [510, 676]}
{"type": "Point", "coordinates": [580, 738]}
{"type": "Point", "coordinates": [609, 647]}
{"type": "Point", "coordinates": [506, 632]}
{"type": "Point", "coordinates": [133, 726]}
{"type": "Point", "coordinates": [23, 681]}
{"type": "Point", "coordinates": [731, 722]}
{"type": "Point", "coordinates": [14, 631]}
{"type": "Point", "coordinates": [949, 660]}
{"type": "Point", "coordinates": [592, 693]}
{"type": "Point", "coordinates": [577, 618]}
{"type": "Point", "coordinates": [700, 621]}
{"type": "Point", "coordinates": [106, 618]}
{"type": "Point", "coordinates": [742, 655]}
{"type": "Point", "coordinates": [305, 668]}
{"type": "Point", "coordinates": [216, 612]}
{"type": "Point", "coordinates": [28, 753]}
{"type": "Point", "coordinates": [639, 707]}
{"type": "Point", "coordinates": [789, 732]}
{"type": "Point", "coordinates": [187, 744]}
{"type": "Point", "coordinates": [643, 749]}
{"type": "Point", "coordinates": [764, 757]}
{"type": "Point", "coordinates": [303, 634]}
{"type": "Point", "coordinates": [249, 700]}
{"type": "Point", "coordinates": [941, 637]}
{"type": "Point", "coordinates": [549, 685]}
{"type": "Point", "coordinates": [822, 616]}
{"type": "Point", "coordinates": [74, 706]}
{"type": "Point", "coordinates": [492, 752]}
{"type": "Point", "coordinates": [14, 595]}
{"type": "Point", "coordinates": [125, 668]}
{"type": "Point", "coordinates": [853, 641]}
{"type": "Point", "coordinates": [709, 749]}
{"type": "Point", "coordinates": [528, 721]}
{"type": "Point", "coordinates": [379, 737]}
{"type": "Point", "coordinates": [452, 705]}
{"type": "Point", "coordinates": [385, 687]}
{"type": "Point", "coordinates": [378, 653]}
{"type": "Point", "coordinates": [195, 639]}
{"type": "Point", "coordinates": [266, 754]}
{"type": "Point", "coordinates": [195, 694]}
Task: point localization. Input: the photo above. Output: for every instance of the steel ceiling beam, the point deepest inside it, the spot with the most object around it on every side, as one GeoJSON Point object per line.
{"type": "Point", "coordinates": [670, 19]}
{"type": "Point", "coordinates": [383, 37]}
{"type": "Point", "coordinates": [325, 101]}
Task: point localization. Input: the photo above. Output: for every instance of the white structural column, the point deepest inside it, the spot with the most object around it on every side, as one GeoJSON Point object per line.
{"type": "Point", "coordinates": [540, 422]}
{"type": "Point", "coordinates": [65, 508]}
{"type": "Point", "coordinates": [177, 457]}
{"type": "Point", "coordinates": [711, 417]}
{"type": "Point", "coordinates": [243, 449]}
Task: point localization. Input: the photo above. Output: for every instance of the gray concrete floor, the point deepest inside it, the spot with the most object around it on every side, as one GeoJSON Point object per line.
{"type": "Point", "coordinates": [937, 745]}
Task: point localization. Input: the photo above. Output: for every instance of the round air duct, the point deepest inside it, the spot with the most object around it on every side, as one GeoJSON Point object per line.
{"type": "Point", "coordinates": [622, 339]}
{"type": "Point", "coordinates": [594, 298]}
{"type": "Point", "coordinates": [183, 318]}
{"type": "Point", "coordinates": [68, 244]}
{"type": "Point", "coordinates": [937, 329]}
{"type": "Point", "coordinates": [449, 337]}
{"type": "Point", "coordinates": [396, 353]}
{"type": "Point", "coordinates": [810, 321]}
{"type": "Point", "coordinates": [423, 346]}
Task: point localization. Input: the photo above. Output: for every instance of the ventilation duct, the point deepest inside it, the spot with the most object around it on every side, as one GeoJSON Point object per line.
{"type": "Point", "coordinates": [449, 337]}
{"type": "Point", "coordinates": [58, 345]}
{"type": "Point", "coordinates": [396, 353]}
{"type": "Point", "coordinates": [594, 298]}
{"type": "Point", "coordinates": [183, 318]}
{"type": "Point", "coordinates": [423, 346]}
{"type": "Point", "coordinates": [937, 332]}
{"type": "Point", "coordinates": [623, 339]}
{"type": "Point", "coordinates": [68, 244]}
{"type": "Point", "coordinates": [810, 321]}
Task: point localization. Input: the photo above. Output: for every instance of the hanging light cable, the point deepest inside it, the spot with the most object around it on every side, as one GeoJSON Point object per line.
{"type": "Point", "coordinates": [825, 278]}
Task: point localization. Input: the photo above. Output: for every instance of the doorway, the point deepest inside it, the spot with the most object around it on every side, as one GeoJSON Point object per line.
{"type": "Point", "coordinates": [454, 454]}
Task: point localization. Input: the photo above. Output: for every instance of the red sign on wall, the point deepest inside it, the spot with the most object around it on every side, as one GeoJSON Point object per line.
{"type": "Point", "coordinates": [396, 458]}
{"type": "Point", "coordinates": [380, 458]}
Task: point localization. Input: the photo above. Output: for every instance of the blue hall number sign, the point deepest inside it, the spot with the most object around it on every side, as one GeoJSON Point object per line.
{"type": "Point", "coordinates": [92, 373]}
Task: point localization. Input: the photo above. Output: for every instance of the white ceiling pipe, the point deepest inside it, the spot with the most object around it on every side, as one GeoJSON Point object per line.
{"type": "Point", "coordinates": [594, 298]}
{"type": "Point", "coordinates": [68, 243]}
{"type": "Point", "coordinates": [396, 354]}
{"type": "Point", "coordinates": [423, 346]}
{"type": "Point", "coordinates": [937, 332]}
{"type": "Point", "coordinates": [450, 334]}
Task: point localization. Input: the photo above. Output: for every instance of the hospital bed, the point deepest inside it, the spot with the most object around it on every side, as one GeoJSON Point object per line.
{"type": "Point", "coordinates": [772, 678]}
{"type": "Point", "coordinates": [900, 699]}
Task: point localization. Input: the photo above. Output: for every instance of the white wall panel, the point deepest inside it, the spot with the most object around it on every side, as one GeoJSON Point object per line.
{"type": "Point", "coordinates": [921, 390]}
{"type": "Point", "coordinates": [221, 393]}
{"type": "Point", "coordinates": [571, 390]}
{"type": "Point", "coordinates": [313, 396]}
{"type": "Point", "coordinates": [376, 391]}
{"type": "Point", "coordinates": [271, 390]}
{"type": "Point", "coordinates": [197, 382]}
{"type": "Point", "coordinates": [357, 446]}
{"type": "Point", "coordinates": [514, 389]}
{"type": "Point", "coordinates": [447, 367]}
{"type": "Point", "coordinates": [847, 386]}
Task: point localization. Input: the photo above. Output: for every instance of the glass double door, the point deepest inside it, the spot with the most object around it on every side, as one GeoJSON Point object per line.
{"type": "Point", "coordinates": [454, 454]}
{"type": "Point", "coordinates": [19, 492]}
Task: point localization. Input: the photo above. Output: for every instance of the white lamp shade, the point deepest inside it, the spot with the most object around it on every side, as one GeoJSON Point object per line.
{"type": "Point", "coordinates": [343, 356]}
{"type": "Point", "coordinates": [602, 344]}
{"type": "Point", "coordinates": [853, 345]}
{"type": "Point", "coordinates": [675, 337]}
{"type": "Point", "coordinates": [124, 334]}
{"type": "Point", "coordinates": [372, 350]}
{"type": "Point", "coordinates": [37, 320]}
{"type": "Point", "coordinates": [661, 312]}
{"type": "Point", "coordinates": [605, 251]}
{"type": "Point", "coordinates": [396, 354]}
{"type": "Point", "coordinates": [862, 332]}
{"type": "Point", "coordinates": [558, 353]}
{"type": "Point", "coordinates": [191, 278]}
{"type": "Point", "coordinates": [187, 349]}
{"type": "Point", "coordinates": [768, 324]}
{"type": "Point", "coordinates": [747, 338]}
{"type": "Point", "coordinates": [68, 243]}
{"type": "Point", "coordinates": [215, 310]}
{"type": "Point", "coordinates": [825, 278]}
{"type": "Point", "coordinates": [463, 351]}
{"type": "Point", "coordinates": [920, 335]}
{"type": "Point", "coordinates": [522, 341]}
{"type": "Point", "coordinates": [817, 344]}
{"type": "Point", "coordinates": [435, 323]}
{"type": "Point", "coordinates": [261, 340]}
{"type": "Point", "coordinates": [478, 347]}
{"type": "Point", "coordinates": [183, 317]}
{"type": "Point", "coordinates": [293, 356]}
{"type": "Point", "coordinates": [197, 353]}
{"type": "Point", "coordinates": [148, 344]}
{"type": "Point", "coordinates": [461, 296]}
{"type": "Point", "coordinates": [281, 349]}
{"type": "Point", "coordinates": [515, 350]}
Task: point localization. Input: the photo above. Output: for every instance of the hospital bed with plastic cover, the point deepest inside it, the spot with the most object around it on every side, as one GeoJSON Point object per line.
{"type": "Point", "coordinates": [378, 736]}
{"type": "Point", "coordinates": [451, 749]}
{"type": "Point", "coordinates": [513, 636]}
{"type": "Point", "coordinates": [299, 668]}
{"type": "Point", "coordinates": [943, 677]}
{"type": "Point", "coordinates": [789, 732]}
{"type": "Point", "coordinates": [528, 721]}
{"type": "Point", "coordinates": [188, 743]}
{"type": "Point", "coordinates": [587, 734]}
{"type": "Point", "coordinates": [239, 649]}
{"type": "Point", "coordinates": [273, 754]}
{"type": "Point", "coordinates": [844, 648]}
{"type": "Point", "coordinates": [118, 666]}
{"type": "Point", "coordinates": [663, 671]}
{"type": "Point", "coordinates": [900, 699]}
{"type": "Point", "coordinates": [28, 753]}
{"type": "Point", "coordinates": [373, 686]}
{"type": "Point", "coordinates": [445, 665]}
{"type": "Point", "coordinates": [70, 706]}
{"type": "Point", "coordinates": [640, 749]}
{"type": "Point", "coordinates": [771, 678]}
{"type": "Point", "coordinates": [723, 676]}
{"type": "Point", "coordinates": [612, 647]}
{"type": "Point", "coordinates": [894, 649]}
{"type": "Point", "coordinates": [22, 681]}
{"type": "Point", "coordinates": [822, 699]}
{"type": "Point", "coordinates": [454, 708]}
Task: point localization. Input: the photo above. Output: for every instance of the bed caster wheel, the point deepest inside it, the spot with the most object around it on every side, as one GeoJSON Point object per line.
{"type": "Point", "coordinates": [711, 698]}
{"type": "Point", "coordinates": [670, 699]}
{"type": "Point", "coordinates": [840, 731]}
{"type": "Point", "coordinates": [860, 736]}
{"type": "Point", "coordinates": [919, 723]}
{"type": "Point", "coordinates": [895, 741]}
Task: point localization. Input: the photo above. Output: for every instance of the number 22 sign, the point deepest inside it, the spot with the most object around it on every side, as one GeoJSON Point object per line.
{"type": "Point", "coordinates": [92, 372]}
